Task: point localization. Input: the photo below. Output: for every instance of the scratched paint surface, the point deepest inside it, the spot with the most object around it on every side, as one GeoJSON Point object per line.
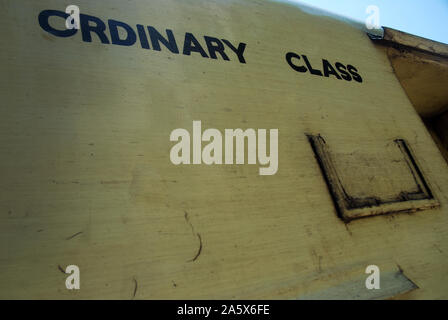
{"type": "Point", "coordinates": [86, 176]}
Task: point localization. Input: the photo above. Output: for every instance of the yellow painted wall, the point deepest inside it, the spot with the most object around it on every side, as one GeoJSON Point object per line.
{"type": "Point", "coordinates": [85, 148]}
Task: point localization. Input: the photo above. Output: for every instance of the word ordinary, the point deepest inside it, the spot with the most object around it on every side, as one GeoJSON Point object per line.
{"type": "Point", "coordinates": [123, 34]}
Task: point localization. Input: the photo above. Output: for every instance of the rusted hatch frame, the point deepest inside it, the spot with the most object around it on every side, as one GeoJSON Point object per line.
{"type": "Point", "coordinates": [349, 207]}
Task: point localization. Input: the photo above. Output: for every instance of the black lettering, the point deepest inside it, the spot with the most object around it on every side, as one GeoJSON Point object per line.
{"type": "Point", "coordinates": [329, 70]}
{"type": "Point", "coordinates": [289, 57]}
{"type": "Point", "coordinates": [313, 71]}
{"type": "Point", "coordinates": [239, 52]}
{"type": "Point", "coordinates": [191, 44]}
{"type": "Point", "coordinates": [157, 38]}
{"type": "Point", "coordinates": [131, 37]}
{"type": "Point", "coordinates": [45, 25]}
{"type": "Point", "coordinates": [342, 69]}
{"type": "Point", "coordinates": [214, 45]}
{"type": "Point", "coordinates": [354, 73]}
{"type": "Point", "coordinates": [86, 29]}
{"type": "Point", "coordinates": [142, 35]}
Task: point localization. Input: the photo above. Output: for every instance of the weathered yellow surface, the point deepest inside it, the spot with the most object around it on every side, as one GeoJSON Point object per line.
{"type": "Point", "coordinates": [85, 148]}
{"type": "Point", "coordinates": [424, 78]}
{"type": "Point", "coordinates": [421, 66]}
{"type": "Point", "coordinates": [415, 42]}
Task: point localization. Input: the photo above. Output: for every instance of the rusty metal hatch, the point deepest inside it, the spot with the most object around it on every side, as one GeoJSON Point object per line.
{"type": "Point", "coordinates": [357, 199]}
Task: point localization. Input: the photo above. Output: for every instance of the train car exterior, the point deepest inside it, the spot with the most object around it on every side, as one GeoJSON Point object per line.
{"type": "Point", "coordinates": [240, 149]}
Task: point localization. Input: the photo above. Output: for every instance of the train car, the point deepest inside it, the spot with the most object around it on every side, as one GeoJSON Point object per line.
{"type": "Point", "coordinates": [211, 149]}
